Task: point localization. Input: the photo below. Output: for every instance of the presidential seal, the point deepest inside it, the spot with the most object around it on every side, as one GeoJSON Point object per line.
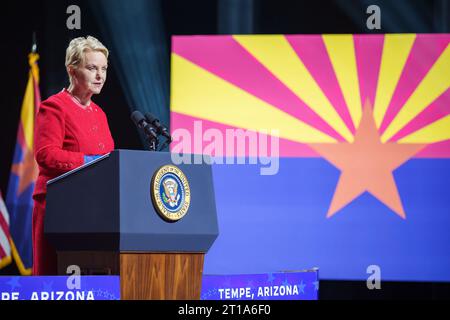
{"type": "Point", "coordinates": [170, 193]}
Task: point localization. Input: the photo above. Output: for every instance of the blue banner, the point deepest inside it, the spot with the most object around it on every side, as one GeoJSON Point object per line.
{"type": "Point", "coordinates": [301, 285]}
{"type": "Point", "coordinates": [60, 288]}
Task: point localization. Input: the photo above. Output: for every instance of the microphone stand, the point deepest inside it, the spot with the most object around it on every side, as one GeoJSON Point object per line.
{"type": "Point", "coordinates": [153, 143]}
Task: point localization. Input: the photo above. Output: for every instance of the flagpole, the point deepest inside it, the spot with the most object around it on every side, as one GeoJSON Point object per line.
{"type": "Point", "coordinates": [34, 43]}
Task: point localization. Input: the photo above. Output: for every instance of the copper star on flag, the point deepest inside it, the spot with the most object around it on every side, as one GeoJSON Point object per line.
{"type": "Point", "coordinates": [367, 164]}
{"type": "Point", "coordinates": [27, 170]}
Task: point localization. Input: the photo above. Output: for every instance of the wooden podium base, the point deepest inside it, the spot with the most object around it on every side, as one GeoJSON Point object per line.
{"type": "Point", "coordinates": [143, 275]}
{"type": "Point", "coordinates": [161, 276]}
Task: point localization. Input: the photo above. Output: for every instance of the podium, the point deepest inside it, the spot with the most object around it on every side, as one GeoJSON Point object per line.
{"type": "Point", "coordinates": [101, 217]}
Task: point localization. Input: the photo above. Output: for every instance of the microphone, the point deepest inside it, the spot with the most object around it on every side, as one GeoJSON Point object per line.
{"type": "Point", "coordinates": [160, 129]}
{"type": "Point", "coordinates": [139, 120]}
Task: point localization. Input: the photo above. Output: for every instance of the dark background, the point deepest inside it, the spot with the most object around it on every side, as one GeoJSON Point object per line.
{"type": "Point", "coordinates": [184, 17]}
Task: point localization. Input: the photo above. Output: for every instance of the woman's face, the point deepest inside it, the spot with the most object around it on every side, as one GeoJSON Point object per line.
{"type": "Point", "coordinates": [90, 76]}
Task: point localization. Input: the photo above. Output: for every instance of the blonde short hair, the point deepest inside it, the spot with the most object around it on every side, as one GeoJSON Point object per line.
{"type": "Point", "coordinates": [78, 47]}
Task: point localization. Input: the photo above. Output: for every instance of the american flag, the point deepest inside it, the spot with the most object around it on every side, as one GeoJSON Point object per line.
{"type": "Point", "coordinates": [5, 249]}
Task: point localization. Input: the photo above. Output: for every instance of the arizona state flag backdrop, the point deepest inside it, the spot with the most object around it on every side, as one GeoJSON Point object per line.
{"type": "Point", "coordinates": [364, 142]}
{"type": "Point", "coordinates": [23, 176]}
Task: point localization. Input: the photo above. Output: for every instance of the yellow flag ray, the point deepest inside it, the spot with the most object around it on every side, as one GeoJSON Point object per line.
{"type": "Point", "coordinates": [436, 82]}
{"type": "Point", "coordinates": [341, 51]}
{"type": "Point", "coordinates": [396, 50]}
{"type": "Point", "coordinates": [28, 108]}
{"type": "Point", "coordinates": [199, 93]}
{"type": "Point", "coordinates": [27, 113]}
{"type": "Point", "coordinates": [277, 55]}
{"type": "Point", "coordinates": [435, 132]}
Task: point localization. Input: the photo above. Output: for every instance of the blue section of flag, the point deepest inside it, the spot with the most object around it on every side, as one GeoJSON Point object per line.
{"type": "Point", "coordinates": [273, 223]}
{"type": "Point", "coordinates": [21, 223]}
{"type": "Point", "coordinates": [20, 207]}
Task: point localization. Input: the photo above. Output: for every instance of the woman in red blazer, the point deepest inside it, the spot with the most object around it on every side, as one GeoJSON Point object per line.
{"type": "Point", "coordinates": [70, 131]}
